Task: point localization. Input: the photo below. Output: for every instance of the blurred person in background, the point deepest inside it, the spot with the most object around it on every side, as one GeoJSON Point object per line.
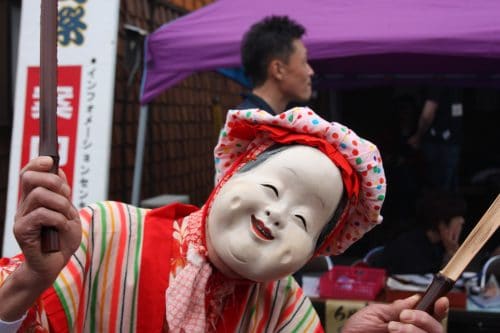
{"type": "Point", "coordinates": [433, 241]}
{"type": "Point", "coordinates": [439, 134]}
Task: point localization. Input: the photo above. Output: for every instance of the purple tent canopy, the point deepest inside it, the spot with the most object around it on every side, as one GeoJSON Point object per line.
{"type": "Point", "coordinates": [343, 36]}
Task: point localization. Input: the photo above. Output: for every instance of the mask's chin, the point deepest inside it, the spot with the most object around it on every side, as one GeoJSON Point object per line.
{"type": "Point", "coordinates": [235, 268]}
{"type": "Point", "coordinates": [219, 264]}
{"type": "Point", "coordinates": [265, 277]}
{"type": "Point", "coordinates": [267, 273]}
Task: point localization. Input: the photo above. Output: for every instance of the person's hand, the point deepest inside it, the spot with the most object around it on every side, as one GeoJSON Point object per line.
{"type": "Point", "coordinates": [450, 235]}
{"type": "Point", "coordinates": [45, 201]}
{"type": "Point", "coordinates": [414, 141]}
{"type": "Point", "coordinates": [398, 316]}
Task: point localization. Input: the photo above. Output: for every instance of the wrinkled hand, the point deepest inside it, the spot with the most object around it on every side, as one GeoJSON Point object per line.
{"type": "Point", "coordinates": [45, 201]}
{"type": "Point", "coordinates": [398, 316]}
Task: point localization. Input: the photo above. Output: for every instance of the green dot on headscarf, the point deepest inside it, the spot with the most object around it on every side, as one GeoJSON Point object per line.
{"type": "Point", "coordinates": [381, 197]}
{"type": "Point", "coordinates": [359, 160]}
{"type": "Point", "coordinates": [290, 118]}
{"type": "Point", "coordinates": [224, 134]}
{"type": "Point", "coordinates": [248, 114]}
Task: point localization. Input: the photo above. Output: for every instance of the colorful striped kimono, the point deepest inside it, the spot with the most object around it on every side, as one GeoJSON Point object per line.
{"type": "Point", "coordinates": [116, 281]}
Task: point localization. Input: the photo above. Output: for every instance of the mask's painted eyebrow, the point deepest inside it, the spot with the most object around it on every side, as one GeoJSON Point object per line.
{"type": "Point", "coordinates": [291, 170]}
{"type": "Point", "coordinates": [322, 203]}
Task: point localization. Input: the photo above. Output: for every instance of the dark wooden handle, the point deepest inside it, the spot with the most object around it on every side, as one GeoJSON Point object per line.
{"type": "Point", "coordinates": [439, 287]}
{"type": "Point", "coordinates": [48, 102]}
{"type": "Point", "coordinates": [49, 235]}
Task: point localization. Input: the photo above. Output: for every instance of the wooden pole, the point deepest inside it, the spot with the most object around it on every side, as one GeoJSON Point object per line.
{"type": "Point", "coordinates": [446, 278]}
{"type": "Point", "coordinates": [48, 102]}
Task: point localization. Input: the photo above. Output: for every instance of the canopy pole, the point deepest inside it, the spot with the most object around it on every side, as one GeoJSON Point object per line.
{"type": "Point", "coordinates": [139, 154]}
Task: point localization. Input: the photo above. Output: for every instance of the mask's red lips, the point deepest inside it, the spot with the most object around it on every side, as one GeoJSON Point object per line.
{"type": "Point", "coordinates": [261, 230]}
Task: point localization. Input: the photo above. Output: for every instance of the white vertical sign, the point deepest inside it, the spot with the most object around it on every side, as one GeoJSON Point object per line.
{"type": "Point", "coordinates": [87, 42]}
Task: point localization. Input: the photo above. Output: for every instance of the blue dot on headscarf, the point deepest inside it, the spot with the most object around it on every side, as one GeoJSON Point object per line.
{"type": "Point", "coordinates": [315, 121]}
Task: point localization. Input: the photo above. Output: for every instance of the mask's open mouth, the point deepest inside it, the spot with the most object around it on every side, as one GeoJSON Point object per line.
{"type": "Point", "coordinates": [261, 230]}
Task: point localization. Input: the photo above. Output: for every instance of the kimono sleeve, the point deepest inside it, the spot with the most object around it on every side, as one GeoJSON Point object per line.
{"type": "Point", "coordinates": [297, 312]}
{"type": "Point", "coordinates": [35, 317]}
{"type": "Point", "coordinates": [97, 289]}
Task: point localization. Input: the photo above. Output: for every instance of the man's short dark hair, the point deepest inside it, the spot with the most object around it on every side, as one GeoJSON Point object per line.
{"type": "Point", "coordinates": [439, 206]}
{"type": "Point", "coordinates": [266, 40]}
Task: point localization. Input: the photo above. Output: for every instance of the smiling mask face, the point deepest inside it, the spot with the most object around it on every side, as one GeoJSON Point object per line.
{"type": "Point", "coordinates": [264, 223]}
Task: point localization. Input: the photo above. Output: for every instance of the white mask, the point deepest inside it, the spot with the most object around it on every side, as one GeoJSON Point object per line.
{"type": "Point", "coordinates": [264, 223]}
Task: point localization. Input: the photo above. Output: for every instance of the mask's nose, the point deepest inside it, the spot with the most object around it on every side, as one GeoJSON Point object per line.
{"type": "Point", "coordinates": [275, 217]}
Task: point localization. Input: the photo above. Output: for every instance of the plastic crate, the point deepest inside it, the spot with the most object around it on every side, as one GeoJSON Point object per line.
{"type": "Point", "coordinates": [350, 282]}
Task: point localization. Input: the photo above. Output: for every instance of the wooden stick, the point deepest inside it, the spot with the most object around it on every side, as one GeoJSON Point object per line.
{"type": "Point", "coordinates": [446, 278]}
{"type": "Point", "coordinates": [48, 102]}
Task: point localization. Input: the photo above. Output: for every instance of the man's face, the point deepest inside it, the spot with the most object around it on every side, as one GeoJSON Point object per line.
{"type": "Point", "coordinates": [296, 76]}
{"type": "Point", "coordinates": [264, 223]}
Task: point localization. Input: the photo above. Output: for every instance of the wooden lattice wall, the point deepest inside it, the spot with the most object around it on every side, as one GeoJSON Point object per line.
{"type": "Point", "coordinates": [182, 127]}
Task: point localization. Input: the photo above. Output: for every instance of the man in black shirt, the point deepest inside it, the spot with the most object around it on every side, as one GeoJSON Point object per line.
{"type": "Point", "coordinates": [439, 133]}
{"type": "Point", "coordinates": [275, 59]}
